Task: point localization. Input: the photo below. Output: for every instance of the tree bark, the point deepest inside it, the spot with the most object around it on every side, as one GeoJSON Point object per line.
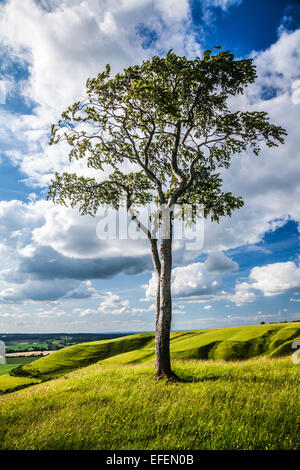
{"type": "Point", "coordinates": [157, 302]}
{"type": "Point", "coordinates": [164, 310]}
{"type": "Point", "coordinates": [163, 268]}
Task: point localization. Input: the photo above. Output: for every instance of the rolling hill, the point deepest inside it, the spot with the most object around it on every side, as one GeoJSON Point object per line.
{"type": "Point", "coordinates": [239, 389]}
{"type": "Point", "coordinates": [218, 405]}
{"type": "Point", "coordinates": [227, 344]}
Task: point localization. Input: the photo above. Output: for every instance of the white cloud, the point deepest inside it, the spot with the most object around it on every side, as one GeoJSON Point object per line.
{"type": "Point", "coordinates": [59, 67]}
{"type": "Point", "coordinates": [73, 235]}
{"type": "Point", "coordinates": [278, 66]}
{"type": "Point", "coordinates": [177, 309]}
{"type": "Point", "coordinates": [224, 4]}
{"type": "Point", "coordinates": [196, 279]}
{"type": "Point", "coordinates": [61, 44]}
{"type": "Point", "coordinates": [48, 251]}
{"type": "Point", "coordinates": [276, 278]}
{"type": "Point", "coordinates": [52, 313]}
{"type": "Point", "coordinates": [191, 280]}
{"type": "Point", "coordinates": [64, 44]}
{"type": "Point", "coordinates": [271, 279]}
{"type": "Point", "coordinates": [242, 295]}
{"type": "Point", "coordinates": [208, 307]}
{"type": "Point", "coordinates": [112, 304]}
{"type": "Point", "coordinates": [14, 315]}
{"type": "Point", "coordinates": [173, 10]}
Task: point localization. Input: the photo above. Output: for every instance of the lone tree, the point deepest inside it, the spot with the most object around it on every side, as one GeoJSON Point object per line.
{"type": "Point", "coordinates": [168, 120]}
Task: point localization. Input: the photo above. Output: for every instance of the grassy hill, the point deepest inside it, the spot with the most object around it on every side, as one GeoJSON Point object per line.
{"type": "Point", "coordinates": [13, 362]}
{"type": "Point", "coordinates": [236, 343]}
{"type": "Point", "coordinates": [102, 394]}
{"type": "Point", "coordinates": [251, 404]}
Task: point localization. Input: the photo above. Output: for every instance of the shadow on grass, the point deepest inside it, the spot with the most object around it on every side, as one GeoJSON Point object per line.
{"type": "Point", "coordinates": [190, 378]}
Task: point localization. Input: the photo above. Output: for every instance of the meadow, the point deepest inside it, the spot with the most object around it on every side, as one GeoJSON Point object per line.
{"type": "Point", "coordinates": [238, 389]}
{"type": "Point", "coordinates": [13, 362]}
{"type": "Point", "coordinates": [250, 404]}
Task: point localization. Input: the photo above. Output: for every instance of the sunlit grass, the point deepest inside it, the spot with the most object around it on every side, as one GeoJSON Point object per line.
{"type": "Point", "coordinates": [234, 343]}
{"type": "Point", "coordinates": [250, 404]}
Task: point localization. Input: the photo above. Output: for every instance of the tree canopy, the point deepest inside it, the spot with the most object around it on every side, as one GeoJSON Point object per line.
{"type": "Point", "coordinates": [164, 126]}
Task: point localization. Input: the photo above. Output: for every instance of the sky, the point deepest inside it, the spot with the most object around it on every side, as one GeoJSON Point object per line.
{"type": "Point", "coordinates": [56, 273]}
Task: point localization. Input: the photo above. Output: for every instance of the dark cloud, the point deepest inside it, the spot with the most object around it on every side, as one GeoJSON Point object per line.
{"type": "Point", "coordinates": [219, 263]}
{"type": "Point", "coordinates": [47, 263]}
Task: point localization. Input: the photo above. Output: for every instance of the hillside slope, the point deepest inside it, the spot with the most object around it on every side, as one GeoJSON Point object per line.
{"type": "Point", "coordinates": [227, 344]}
{"type": "Point", "coordinates": [250, 404]}
{"type": "Point", "coordinates": [81, 355]}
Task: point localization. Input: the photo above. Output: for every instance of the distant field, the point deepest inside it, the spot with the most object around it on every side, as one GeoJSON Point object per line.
{"type": "Point", "coordinates": [25, 346]}
{"type": "Point", "coordinates": [13, 362]}
{"type": "Point", "coordinates": [42, 341]}
{"type": "Point", "coordinates": [251, 404]}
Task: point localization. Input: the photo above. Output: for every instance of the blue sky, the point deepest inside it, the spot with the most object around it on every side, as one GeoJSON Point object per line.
{"type": "Point", "coordinates": [248, 25]}
{"type": "Point", "coordinates": [55, 273]}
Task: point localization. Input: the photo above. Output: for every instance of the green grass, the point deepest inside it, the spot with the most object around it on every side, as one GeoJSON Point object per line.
{"type": "Point", "coordinates": [236, 343]}
{"type": "Point", "coordinates": [13, 362]}
{"type": "Point", "coordinates": [10, 383]}
{"type": "Point", "coordinates": [250, 404]}
{"type": "Point", "coordinates": [25, 346]}
{"type": "Point", "coordinates": [102, 394]}
{"type": "Point", "coordinates": [82, 355]}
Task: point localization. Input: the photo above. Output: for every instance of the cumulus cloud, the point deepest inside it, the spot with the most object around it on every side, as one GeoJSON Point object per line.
{"type": "Point", "coordinates": [57, 77]}
{"type": "Point", "coordinates": [72, 235]}
{"type": "Point", "coordinates": [276, 278]}
{"type": "Point", "coordinates": [39, 290]}
{"type": "Point", "coordinates": [242, 295]}
{"type": "Point", "coordinates": [196, 279]}
{"type": "Point", "coordinates": [271, 279]}
{"type": "Point", "coordinates": [220, 263]}
{"type": "Point", "coordinates": [58, 45]}
{"type": "Point", "coordinates": [112, 304]}
{"type": "Point", "coordinates": [51, 256]}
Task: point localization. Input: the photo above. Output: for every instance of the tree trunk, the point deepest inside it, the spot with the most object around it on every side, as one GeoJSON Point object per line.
{"type": "Point", "coordinates": [163, 321]}
{"type": "Point", "coordinates": [157, 302]}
